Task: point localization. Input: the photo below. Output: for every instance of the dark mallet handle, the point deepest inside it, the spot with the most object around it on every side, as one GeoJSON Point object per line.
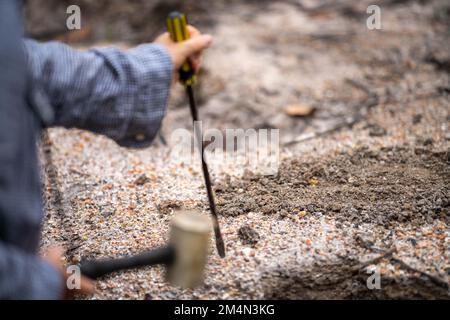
{"type": "Point", "coordinates": [97, 268]}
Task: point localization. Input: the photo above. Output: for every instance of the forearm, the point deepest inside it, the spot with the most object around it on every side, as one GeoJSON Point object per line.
{"type": "Point", "coordinates": [120, 94]}
{"type": "Point", "coordinates": [26, 276]}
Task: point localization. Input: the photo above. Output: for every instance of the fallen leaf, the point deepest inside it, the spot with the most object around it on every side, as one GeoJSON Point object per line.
{"type": "Point", "coordinates": [299, 110]}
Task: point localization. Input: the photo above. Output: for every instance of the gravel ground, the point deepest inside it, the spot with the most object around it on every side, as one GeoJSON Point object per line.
{"type": "Point", "coordinates": [366, 187]}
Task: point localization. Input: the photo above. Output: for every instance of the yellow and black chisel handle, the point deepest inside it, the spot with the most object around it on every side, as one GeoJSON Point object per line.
{"type": "Point", "coordinates": [177, 27]}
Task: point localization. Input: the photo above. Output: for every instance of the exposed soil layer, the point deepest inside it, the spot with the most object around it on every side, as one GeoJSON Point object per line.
{"type": "Point", "coordinates": [383, 189]}
{"type": "Point", "coordinates": [347, 279]}
{"type": "Point", "coordinates": [386, 187]}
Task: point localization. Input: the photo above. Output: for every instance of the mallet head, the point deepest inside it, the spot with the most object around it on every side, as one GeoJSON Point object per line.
{"type": "Point", "coordinates": [189, 239]}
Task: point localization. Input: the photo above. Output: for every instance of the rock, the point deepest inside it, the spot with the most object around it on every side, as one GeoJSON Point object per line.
{"type": "Point", "coordinates": [428, 142]}
{"type": "Point", "coordinates": [247, 252]}
{"type": "Point", "coordinates": [376, 131]}
{"type": "Point", "coordinates": [413, 241]}
{"type": "Point", "coordinates": [302, 213]}
{"type": "Point", "coordinates": [168, 206]}
{"type": "Point", "coordinates": [424, 141]}
{"type": "Point", "coordinates": [108, 213]}
{"type": "Point", "coordinates": [148, 296]}
{"type": "Point", "coordinates": [248, 235]}
{"type": "Point", "coordinates": [417, 118]}
{"type": "Point", "coordinates": [141, 180]}
{"type": "Point", "coordinates": [447, 136]}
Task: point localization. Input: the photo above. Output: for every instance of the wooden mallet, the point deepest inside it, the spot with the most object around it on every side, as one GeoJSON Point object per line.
{"type": "Point", "coordinates": [185, 256]}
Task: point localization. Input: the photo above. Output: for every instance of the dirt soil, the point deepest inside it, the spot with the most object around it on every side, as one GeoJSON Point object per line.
{"type": "Point", "coordinates": [378, 191]}
{"type": "Point", "coordinates": [363, 183]}
{"type": "Point", "coordinates": [396, 185]}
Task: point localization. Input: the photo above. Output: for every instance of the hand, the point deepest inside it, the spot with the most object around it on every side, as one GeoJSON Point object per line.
{"type": "Point", "coordinates": [53, 257]}
{"type": "Point", "coordinates": [191, 49]}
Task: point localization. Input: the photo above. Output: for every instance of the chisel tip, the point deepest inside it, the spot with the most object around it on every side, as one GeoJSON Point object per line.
{"type": "Point", "coordinates": [220, 247]}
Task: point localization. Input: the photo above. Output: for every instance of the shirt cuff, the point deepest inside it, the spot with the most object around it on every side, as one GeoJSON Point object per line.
{"type": "Point", "coordinates": [48, 283]}
{"type": "Point", "coordinates": [153, 87]}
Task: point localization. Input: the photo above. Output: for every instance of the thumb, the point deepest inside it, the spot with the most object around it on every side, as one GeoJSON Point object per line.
{"type": "Point", "coordinates": [196, 44]}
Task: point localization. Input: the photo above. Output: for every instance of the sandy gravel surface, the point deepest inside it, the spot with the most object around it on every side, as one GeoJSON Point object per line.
{"type": "Point", "coordinates": [374, 195]}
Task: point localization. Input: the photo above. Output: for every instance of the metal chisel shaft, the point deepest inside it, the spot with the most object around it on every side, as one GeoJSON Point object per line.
{"type": "Point", "coordinates": [212, 203]}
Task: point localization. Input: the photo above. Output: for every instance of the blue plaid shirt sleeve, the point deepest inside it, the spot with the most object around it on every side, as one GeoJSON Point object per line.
{"type": "Point", "coordinates": [27, 276]}
{"type": "Point", "coordinates": [121, 94]}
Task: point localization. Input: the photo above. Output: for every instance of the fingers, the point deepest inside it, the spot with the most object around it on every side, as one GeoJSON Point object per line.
{"type": "Point", "coordinates": [196, 58]}
{"type": "Point", "coordinates": [86, 286]}
{"type": "Point", "coordinates": [163, 38]}
{"type": "Point", "coordinates": [190, 49]}
{"type": "Point", "coordinates": [196, 62]}
{"type": "Point", "coordinates": [53, 256]}
{"type": "Point", "coordinates": [175, 77]}
{"type": "Point", "coordinates": [196, 45]}
{"type": "Point", "coordinates": [193, 31]}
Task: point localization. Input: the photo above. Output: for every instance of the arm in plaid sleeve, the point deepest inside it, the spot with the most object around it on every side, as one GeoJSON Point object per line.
{"type": "Point", "coordinates": [121, 94]}
{"type": "Point", "coordinates": [26, 276]}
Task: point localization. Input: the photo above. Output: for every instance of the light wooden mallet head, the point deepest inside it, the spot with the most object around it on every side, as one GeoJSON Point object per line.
{"type": "Point", "coordinates": [189, 238]}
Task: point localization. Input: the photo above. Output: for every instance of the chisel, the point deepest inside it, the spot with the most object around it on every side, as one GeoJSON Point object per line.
{"type": "Point", "coordinates": [177, 27]}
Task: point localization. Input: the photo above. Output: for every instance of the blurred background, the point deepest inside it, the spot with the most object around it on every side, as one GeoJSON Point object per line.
{"type": "Point", "coordinates": [301, 66]}
{"type": "Point", "coordinates": [132, 21]}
